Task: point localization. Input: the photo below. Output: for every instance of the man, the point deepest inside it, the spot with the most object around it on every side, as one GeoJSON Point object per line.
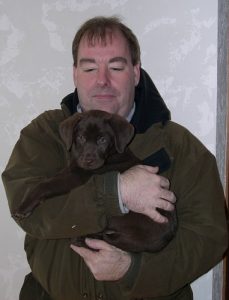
{"type": "Point", "coordinates": [108, 76]}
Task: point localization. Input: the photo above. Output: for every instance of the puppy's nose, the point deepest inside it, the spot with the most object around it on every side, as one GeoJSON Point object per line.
{"type": "Point", "coordinates": [89, 158]}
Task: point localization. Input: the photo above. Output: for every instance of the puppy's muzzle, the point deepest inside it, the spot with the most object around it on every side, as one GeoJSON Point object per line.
{"type": "Point", "coordinates": [90, 161]}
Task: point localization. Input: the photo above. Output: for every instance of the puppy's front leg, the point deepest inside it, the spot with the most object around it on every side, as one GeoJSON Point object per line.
{"type": "Point", "coordinates": [58, 185]}
{"type": "Point", "coordinates": [34, 197]}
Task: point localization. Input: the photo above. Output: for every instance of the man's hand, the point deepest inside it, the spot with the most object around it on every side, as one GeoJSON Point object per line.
{"type": "Point", "coordinates": [108, 263]}
{"type": "Point", "coordinates": [143, 190]}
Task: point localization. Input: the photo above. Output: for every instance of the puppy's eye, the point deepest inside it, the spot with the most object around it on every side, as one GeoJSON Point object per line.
{"type": "Point", "coordinates": [81, 139]}
{"type": "Point", "coordinates": [101, 140]}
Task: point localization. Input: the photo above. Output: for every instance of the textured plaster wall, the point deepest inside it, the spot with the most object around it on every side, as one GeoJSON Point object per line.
{"type": "Point", "coordinates": [179, 50]}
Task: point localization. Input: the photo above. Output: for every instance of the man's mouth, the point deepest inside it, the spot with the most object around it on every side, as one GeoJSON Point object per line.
{"type": "Point", "coordinates": [104, 96]}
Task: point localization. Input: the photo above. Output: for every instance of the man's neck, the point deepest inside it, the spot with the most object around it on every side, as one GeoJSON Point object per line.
{"type": "Point", "coordinates": [128, 118]}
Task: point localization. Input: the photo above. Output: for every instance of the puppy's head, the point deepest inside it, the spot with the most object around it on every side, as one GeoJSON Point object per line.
{"type": "Point", "coordinates": [92, 135]}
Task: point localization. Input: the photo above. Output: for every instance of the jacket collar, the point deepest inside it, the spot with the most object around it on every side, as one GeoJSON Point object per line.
{"type": "Point", "coordinates": [150, 107]}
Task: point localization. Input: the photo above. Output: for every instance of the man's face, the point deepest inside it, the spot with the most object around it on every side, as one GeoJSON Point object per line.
{"type": "Point", "coordinates": [105, 77]}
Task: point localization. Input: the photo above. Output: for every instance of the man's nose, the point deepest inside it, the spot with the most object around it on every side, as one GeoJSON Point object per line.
{"type": "Point", "coordinates": [103, 77]}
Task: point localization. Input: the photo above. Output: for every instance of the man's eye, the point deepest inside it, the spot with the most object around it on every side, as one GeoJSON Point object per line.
{"type": "Point", "coordinates": [89, 70]}
{"type": "Point", "coordinates": [114, 68]}
{"type": "Point", "coordinates": [87, 67]}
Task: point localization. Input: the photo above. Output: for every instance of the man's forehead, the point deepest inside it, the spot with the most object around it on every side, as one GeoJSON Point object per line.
{"type": "Point", "coordinates": [102, 38]}
{"type": "Point", "coordinates": [115, 59]}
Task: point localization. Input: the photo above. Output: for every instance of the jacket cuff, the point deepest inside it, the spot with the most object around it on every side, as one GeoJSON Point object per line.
{"type": "Point", "coordinates": [127, 281]}
{"type": "Point", "coordinates": [122, 206]}
{"type": "Point", "coordinates": [107, 187]}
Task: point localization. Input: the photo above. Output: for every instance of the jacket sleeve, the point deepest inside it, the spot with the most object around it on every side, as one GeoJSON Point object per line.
{"type": "Point", "coordinates": [39, 154]}
{"type": "Point", "coordinates": [201, 239]}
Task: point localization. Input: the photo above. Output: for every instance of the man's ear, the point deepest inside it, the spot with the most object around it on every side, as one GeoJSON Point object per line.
{"type": "Point", "coordinates": [137, 73]}
{"type": "Point", "coordinates": [123, 132]}
{"type": "Point", "coordinates": [75, 75]}
{"type": "Point", "coordinates": [66, 129]}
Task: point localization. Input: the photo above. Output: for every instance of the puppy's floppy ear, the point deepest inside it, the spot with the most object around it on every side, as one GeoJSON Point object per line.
{"type": "Point", "coordinates": [123, 130]}
{"type": "Point", "coordinates": [66, 128]}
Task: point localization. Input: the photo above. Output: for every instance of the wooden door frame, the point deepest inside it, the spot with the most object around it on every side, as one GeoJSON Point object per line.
{"type": "Point", "coordinates": [226, 259]}
{"type": "Point", "coordinates": [220, 285]}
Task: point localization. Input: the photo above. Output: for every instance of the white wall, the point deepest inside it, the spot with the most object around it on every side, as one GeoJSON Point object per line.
{"type": "Point", "coordinates": [179, 50]}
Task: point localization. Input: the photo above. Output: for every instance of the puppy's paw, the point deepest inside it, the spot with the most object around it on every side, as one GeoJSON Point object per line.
{"type": "Point", "coordinates": [20, 215]}
{"type": "Point", "coordinates": [79, 241]}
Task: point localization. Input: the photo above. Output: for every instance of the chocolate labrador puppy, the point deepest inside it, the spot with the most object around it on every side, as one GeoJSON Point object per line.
{"type": "Point", "coordinates": [97, 142]}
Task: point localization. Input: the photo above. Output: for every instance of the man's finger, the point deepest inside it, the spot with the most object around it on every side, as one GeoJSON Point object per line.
{"type": "Point", "coordinates": [153, 170]}
{"type": "Point", "coordinates": [97, 244]}
{"type": "Point", "coordinates": [164, 182]}
{"type": "Point", "coordinates": [169, 196]}
{"type": "Point", "coordinates": [157, 217]}
{"type": "Point", "coordinates": [83, 252]}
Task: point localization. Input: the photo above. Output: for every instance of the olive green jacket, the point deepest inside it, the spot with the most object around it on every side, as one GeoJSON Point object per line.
{"type": "Point", "coordinates": [199, 244]}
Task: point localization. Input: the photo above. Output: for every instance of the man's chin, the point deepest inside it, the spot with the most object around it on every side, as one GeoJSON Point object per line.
{"type": "Point", "coordinates": [106, 108]}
